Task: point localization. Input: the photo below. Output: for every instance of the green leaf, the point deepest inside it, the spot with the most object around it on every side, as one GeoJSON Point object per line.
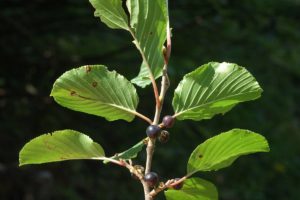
{"type": "Point", "coordinates": [222, 150]}
{"type": "Point", "coordinates": [143, 79]}
{"type": "Point", "coordinates": [60, 146]}
{"type": "Point", "coordinates": [194, 189]}
{"type": "Point", "coordinates": [95, 90]}
{"type": "Point", "coordinates": [212, 89]}
{"type": "Point", "coordinates": [129, 153]}
{"type": "Point", "coordinates": [132, 152]}
{"type": "Point", "coordinates": [148, 20]}
{"type": "Point", "coordinates": [147, 25]}
{"type": "Point", "coordinates": [111, 13]}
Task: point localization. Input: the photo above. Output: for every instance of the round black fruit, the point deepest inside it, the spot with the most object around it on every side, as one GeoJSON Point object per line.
{"type": "Point", "coordinates": [168, 121]}
{"type": "Point", "coordinates": [153, 131]}
{"type": "Point", "coordinates": [164, 136]}
{"type": "Point", "coordinates": [151, 179]}
{"type": "Point", "coordinates": [178, 186]}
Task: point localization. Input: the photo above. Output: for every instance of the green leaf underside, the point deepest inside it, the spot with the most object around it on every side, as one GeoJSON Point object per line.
{"type": "Point", "coordinates": [148, 25]}
{"type": "Point", "coordinates": [142, 80]}
{"type": "Point", "coordinates": [95, 90]}
{"type": "Point", "coordinates": [212, 89]}
{"type": "Point", "coordinates": [111, 13]}
{"type": "Point", "coordinates": [222, 150]}
{"type": "Point", "coordinates": [194, 189]}
{"type": "Point", "coordinates": [59, 146]}
{"type": "Point", "coordinates": [129, 153]}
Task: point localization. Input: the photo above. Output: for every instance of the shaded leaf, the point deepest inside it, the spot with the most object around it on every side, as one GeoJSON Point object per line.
{"type": "Point", "coordinates": [194, 189]}
{"type": "Point", "coordinates": [60, 146]}
{"type": "Point", "coordinates": [95, 90]}
{"type": "Point", "coordinates": [222, 150]}
{"type": "Point", "coordinates": [213, 88]}
{"type": "Point", "coordinates": [132, 152]}
{"type": "Point", "coordinates": [129, 153]}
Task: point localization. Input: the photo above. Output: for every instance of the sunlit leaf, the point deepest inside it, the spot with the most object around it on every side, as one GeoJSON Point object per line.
{"type": "Point", "coordinates": [143, 79]}
{"type": "Point", "coordinates": [148, 20]}
{"type": "Point", "coordinates": [147, 24]}
{"type": "Point", "coordinates": [222, 150]}
{"type": "Point", "coordinates": [111, 13]}
{"type": "Point", "coordinates": [95, 90]}
{"type": "Point", "coordinates": [60, 146]}
{"type": "Point", "coordinates": [212, 89]}
{"type": "Point", "coordinates": [194, 189]}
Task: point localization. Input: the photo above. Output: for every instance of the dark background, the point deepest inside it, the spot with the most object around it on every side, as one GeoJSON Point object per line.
{"type": "Point", "coordinates": [40, 39]}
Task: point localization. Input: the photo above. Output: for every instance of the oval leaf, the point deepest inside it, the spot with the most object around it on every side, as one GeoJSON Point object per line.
{"type": "Point", "coordinates": [95, 90]}
{"type": "Point", "coordinates": [194, 189]}
{"type": "Point", "coordinates": [149, 23]}
{"type": "Point", "coordinates": [212, 89]}
{"type": "Point", "coordinates": [111, 13]}
{"type": "Point", "coordinates": [222, 150]}
{"type": "Point", "coordinates": [60, 146]}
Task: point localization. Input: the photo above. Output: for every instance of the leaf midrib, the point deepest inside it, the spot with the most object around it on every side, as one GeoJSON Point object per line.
{"type": "Point", "coordinates": [122, 19]}
{"type": "Point", "coordinates": [110, 104]}
{"type": "Point", "coordinates": [211, 102]}
{"type": "Point", "coordinates": [231, 156]}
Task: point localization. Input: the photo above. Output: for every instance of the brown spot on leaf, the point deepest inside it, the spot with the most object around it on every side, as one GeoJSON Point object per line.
{"type": "Point", "coordinates": [48, 146]}
{"type": "Point", "coordinates": [88, 69]}
{"type": "Point", "coordinates": [200, 156]}
{"type": "Point", "coordinates": [72, 93]}
{"type": "Point", "coordinates": [94, 84]}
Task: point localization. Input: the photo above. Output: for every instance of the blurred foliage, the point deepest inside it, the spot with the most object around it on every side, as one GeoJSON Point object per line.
{"type": "Point", "coordinates": [40, 39]}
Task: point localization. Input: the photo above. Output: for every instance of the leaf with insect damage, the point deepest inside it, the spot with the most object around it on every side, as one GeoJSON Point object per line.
{"type": "Point", "coordinates": [95, 90]}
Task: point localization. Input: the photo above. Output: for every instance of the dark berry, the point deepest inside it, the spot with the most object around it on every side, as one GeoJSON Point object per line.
{"type": "Point", "coordinates": [177, 186]}
{"type": "Point", "coordinates": [164, 136]}
{"type": "Point", "coordinates": [151, 179]}
{"type": "Point", "coordinates": [168, 121]}
{"type": "Point", "coordinates": [153, 131]}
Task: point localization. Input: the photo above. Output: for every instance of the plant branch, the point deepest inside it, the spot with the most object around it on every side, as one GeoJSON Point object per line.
{"type": "Point", "coordinates": [138, 172]}
{"type": "Point", "coordinates": [150, 151]}
{"type": "Point", "coordinates": [168, 184]}
{"type": "Point", "coordinates": [146, 191]}
{"type": "Point", "coordinates": [164, 87]}
{"type": "Point", "coordinates": [165, 83]}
